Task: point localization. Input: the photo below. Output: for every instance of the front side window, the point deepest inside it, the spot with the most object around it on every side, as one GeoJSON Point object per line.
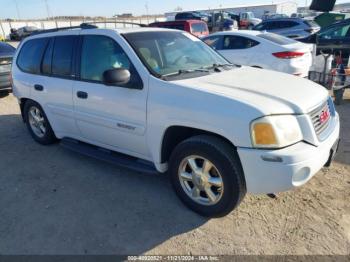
{"type": "Point", "coordinates": [99, 54]}
{"type": "Point", "coordinates": [166, 53]}
{"type": "Point", "coordinates": [336, 32]}
{"type": "Point", "coordinates": [30, 56]}
{"type": "Point", "coordinates": [62, 58]}
{"type": "Point", "coordinates": [238, 42]}
{"type": "Point", "coordinates": [213, 41]}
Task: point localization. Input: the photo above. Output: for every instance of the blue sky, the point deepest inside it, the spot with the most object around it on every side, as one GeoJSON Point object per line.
{"type": "Point", "coordinates": [37, 8]}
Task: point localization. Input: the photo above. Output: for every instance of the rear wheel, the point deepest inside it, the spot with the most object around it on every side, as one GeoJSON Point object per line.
{"type": "Point", "coordinates": [207, 176]}
{"type": "Point", "coordinates": [38, 124]}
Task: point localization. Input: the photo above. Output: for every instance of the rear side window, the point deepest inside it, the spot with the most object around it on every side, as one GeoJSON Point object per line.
{"type": "Point", "coordinates": [277, 39]}
{"type": "Point", "coordinates": [30, 56]}
{"type": "Point", "coordinates": [62, 58]}
{"type": "Point", "coordinates": [47, 59]}
{"type": "Point", "coordinates": [199, 28]}
{"type": "Point", "coordinates": [287, 24]}
{"type": "Point", "coordinates": [238, 42]}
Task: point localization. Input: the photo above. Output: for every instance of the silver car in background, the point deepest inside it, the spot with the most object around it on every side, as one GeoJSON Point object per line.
{"type": "Point", "coordinates": [6, 54]}
{"type": "Point", "coordinates": [295, 28]}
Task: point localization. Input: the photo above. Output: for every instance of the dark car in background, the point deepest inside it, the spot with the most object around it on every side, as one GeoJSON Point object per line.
{"type": "Point", "coordinates": [194, 27]}
{"type": "Point", "coordinates": [22, 32]}
{"type": "Point", "coordinates": [6, 55]}
{"type": "Point", "coordinates": [333, 38]}
{"type": "Point", "coordinates": [192, 16]}
{"type": "Point", "coordinates": [295, 28]}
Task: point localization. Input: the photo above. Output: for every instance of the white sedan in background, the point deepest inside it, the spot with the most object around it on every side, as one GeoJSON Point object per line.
{"type": "Point", "coordinates": [263, 50]}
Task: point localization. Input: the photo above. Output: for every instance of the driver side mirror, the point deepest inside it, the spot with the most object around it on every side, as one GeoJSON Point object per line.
{"type": "Point", "coordinates": [116, 77]}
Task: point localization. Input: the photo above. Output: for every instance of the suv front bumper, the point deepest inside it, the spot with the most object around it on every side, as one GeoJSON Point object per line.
{"type": "Point", "coordinates": [286, 168]}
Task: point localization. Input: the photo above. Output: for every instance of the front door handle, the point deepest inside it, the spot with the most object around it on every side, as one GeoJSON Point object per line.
{"type": "Point", "coordinates": [38, 87]}
{"type": "Point", "coordinates": [82, 95]}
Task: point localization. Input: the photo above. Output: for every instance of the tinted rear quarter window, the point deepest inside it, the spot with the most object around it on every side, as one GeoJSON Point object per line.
{"type": "Point", "coordinates": [30, 56]}
{"type": "Point", "coordinates": [62, 55]}
{"type": "Point", "coordinates": [277, 39]}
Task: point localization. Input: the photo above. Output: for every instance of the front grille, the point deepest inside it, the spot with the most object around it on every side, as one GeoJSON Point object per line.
{"type": "Point", "coordinates": [317, 118]}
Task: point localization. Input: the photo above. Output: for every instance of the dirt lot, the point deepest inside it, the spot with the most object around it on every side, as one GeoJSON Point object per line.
{"type": "Point", "coordinates": [53, 201]}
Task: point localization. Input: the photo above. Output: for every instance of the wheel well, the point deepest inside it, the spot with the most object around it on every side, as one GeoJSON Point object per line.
{"type": "Point", "coordinates": [174, 135]}
{"type": "Point", "coordinates": [21, 105]}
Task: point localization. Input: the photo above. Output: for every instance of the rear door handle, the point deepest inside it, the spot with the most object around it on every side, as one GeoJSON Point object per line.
{"type": "Point", "coordinates": [38, 87]}
{"type": "Point", "coordinates": [82, 95]}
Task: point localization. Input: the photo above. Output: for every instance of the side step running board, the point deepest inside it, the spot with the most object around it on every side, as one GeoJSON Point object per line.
{"type": "Point", "coordinates": [109, 156]}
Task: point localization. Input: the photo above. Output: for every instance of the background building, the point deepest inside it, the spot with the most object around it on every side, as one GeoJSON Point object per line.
{"type": "Point", "coordinates": [285, 7]}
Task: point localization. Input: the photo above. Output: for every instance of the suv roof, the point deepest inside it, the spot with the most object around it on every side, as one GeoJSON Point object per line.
{"type": "Point", "coordinates": [83, 27]}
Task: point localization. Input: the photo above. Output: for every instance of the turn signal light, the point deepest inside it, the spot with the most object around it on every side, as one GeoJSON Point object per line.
{"type": "Point", "coordinates": [264, 134]}
{"type": "Point", "coordinates": [288, 55]}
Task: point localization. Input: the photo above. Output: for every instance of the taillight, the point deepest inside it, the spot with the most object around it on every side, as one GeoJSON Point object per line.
{"type": "Point", "coordinates": [288, 55]}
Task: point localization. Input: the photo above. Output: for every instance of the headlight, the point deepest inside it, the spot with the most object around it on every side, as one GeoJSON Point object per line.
{"type": "Point", "coordinates": [275, 131]}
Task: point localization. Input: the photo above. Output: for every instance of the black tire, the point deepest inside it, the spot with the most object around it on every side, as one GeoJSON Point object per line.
{"type": "Point", "coordinates": [225, 159]}
{"type": "Point", "coordinates": [338, 95]}
{"type": "Point", "coordinates": [49, 136]}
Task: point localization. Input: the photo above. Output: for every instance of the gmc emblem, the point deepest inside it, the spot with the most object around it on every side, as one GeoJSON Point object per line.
{"type": "Point", "coordinates": [324, 116]}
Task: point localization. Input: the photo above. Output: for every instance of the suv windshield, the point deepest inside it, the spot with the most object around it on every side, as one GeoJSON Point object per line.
{"type": "Point", "coordinates": [250, 15]}
{"type": "Point", "coordinates": [166, 53]}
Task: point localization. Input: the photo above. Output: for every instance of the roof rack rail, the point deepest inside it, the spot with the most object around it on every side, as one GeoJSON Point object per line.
{"type": "Point", "coordinates": [88, 25]}
{"type": "Point", "coordinates": [81, 26]}
{"type": "Point", "coordinates": [115, 22]}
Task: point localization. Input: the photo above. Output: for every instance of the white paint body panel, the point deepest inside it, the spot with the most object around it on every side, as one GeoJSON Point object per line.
{"type": "Point", "coordinates": [222, 103]}
{"type": "Point", "coordinates": [261, 55]}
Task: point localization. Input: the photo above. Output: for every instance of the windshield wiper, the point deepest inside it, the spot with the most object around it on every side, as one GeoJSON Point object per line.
{"type": "Point", "coordinates": [186, 71]}
{"type": "Point", "coordinates": [217, 67]}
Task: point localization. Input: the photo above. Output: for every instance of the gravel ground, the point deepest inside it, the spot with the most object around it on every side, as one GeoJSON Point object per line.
{"type": "Point", "coordinates": [53, 201]}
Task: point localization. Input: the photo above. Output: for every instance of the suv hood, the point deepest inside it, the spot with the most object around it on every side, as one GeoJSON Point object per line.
{"type": "Point", "coordinates": [268, 91]}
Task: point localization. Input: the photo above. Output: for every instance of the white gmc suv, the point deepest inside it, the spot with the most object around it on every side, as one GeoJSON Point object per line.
{"type": "Point", "coordinates": [158, 100]}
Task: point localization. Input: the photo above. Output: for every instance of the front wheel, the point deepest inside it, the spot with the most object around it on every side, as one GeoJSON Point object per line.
{"type": "Point", "coordinates": [207, 175]}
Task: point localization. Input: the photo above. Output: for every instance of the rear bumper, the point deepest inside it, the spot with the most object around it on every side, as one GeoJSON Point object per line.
{"type": "Point", "coordinates": [5, 83]}
{"type": "Point", "coordinates": [298, 164]}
